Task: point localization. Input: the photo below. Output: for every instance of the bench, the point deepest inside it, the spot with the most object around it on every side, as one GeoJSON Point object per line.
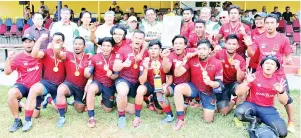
{"type": "Point", "coordinates": [7, 47]}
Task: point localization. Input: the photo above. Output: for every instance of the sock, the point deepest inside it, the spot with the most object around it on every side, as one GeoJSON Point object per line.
{"type": "Point", "coordinates": [61, 108]}
{"type": "Point", "coordinates": [17, 119]}
{"type": "Point", "coordinates": [138, 109]}
{"type": "Point", "coordinates": [50, 100]}
{"type": "Point", "coordinates": [121, 114]}
{"type": "Point", "coordinates": [28, 115]}
{"type": "Point", "coordinates": [167, 110]}
{"type": "Point", "coordinates": [91, 113]}
{"type": "Point", "coordinates": [180, 115]}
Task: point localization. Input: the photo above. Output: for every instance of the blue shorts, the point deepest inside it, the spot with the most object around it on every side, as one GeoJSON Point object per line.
{"type": "Point", "coordinates": [22, 88]}
{"type": "Point", "coordinates": [171, 89]}
{"type": "Point", "coordinates": [208, 101]}
{"type": "Point", "coordinates": [107, 93]}
{"type": "Point", "coordinates": [132, 86]}
{"type": "Point", "coordinates": [222, 99]}
{"type": "Point", "coordinates": [50, 88]}
{"type": "Point", "coordinates": [76, 92]}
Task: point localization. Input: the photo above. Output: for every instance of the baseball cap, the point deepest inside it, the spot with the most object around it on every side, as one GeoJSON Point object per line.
{"type": "Point", "coordinates": [261, 14]}
{"type": "Point", "coordinates": [272, 58]}
{"type": "Point", "coordinates": [28, 36]}
{"type": "Point", "coordinates": [132, 18]}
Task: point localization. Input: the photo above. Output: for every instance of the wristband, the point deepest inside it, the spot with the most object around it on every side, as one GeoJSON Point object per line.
{"type": "Point", "coordinates": [116, 73]}
{"type": "Point", "coordinates": [281, 92]}
{"type": "Point", "coordinates": [91, 70]}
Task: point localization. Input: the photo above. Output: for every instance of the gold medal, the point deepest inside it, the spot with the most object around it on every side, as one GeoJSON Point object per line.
{"type": "Point", "coordinates": [76, 73]}
{"type": "Point", "coordinates": [230, 60]}
{"type": "Point", "coordinates": [135, 66]}
{"type": "Point", "coordinates": [105, 67]}
{"type": "Point", "coordinates": [55, 69]}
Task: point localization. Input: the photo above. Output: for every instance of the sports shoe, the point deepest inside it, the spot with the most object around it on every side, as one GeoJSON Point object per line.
{"type": "Point", "coordinates": [91, 122]}
{"type": "Point", "coordinates": [167, 119]}
{"type": "Point", "coordinates": [61, 121]}
{"type": "Point", "coordinates": [237, 122]}
{"type": "Point", "coordinates": [45, 102]}
{"type": "Point", "coordinates": [179, 124]}
{"type": "Point", "coordinates": [136, 122]}
{"type": "Point", "coordinates": [27, 125]}
{"type": "Point", "coordinates": [71, 102]}
{"type": "Point", "coordinates": [121, 122]}
{"type": "Point", "coordinates": [16, 125]}
{"type": "Point", "coordinates": [291, 127]}
{"type": "Point", "coordinates": [151, 107]}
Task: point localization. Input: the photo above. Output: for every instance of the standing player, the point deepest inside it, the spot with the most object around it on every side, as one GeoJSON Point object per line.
{"type": "Point", "coordinates": [198, 33]}
{"type": "Point", "coordinates": [75, 81]}
{"type": "Point", "coordinates": [151, 81]}
{"type": "Point", "coordinates": [207, 77]}
{"type": "Point", "coordinates": [29, 73]}
{"type": "Point", "coordinates": [188, 25]}
{"type": "Point", "coordinates": [103, 79]}
{"type": "Point", "coordinates": [128, 68]}
{"type": "Point", "coordinates": [53, 76]}
{"type": "Point", "coordinates": [274, 43]}
{"type": "Point", "coordinates": [234, 67]}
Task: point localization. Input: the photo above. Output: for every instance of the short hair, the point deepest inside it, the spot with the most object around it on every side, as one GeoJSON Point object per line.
{"type": "Point", "coordinates": [145, 6]}
{"type": "Point", "coordinates": [131, 8]}
{"type": "Point", "coordinates": [83, 9]}
{"type": "Point", "coordinates": [188, 9]}
{"type": "Point", "coordinates": [66, 6]}
{"type": "Point", "coordinates": [205, 41]}
{"type": "Point", "coordinates": [176, 4]}
{"type": "Point", "coordinates": [82, 14]}
{"type": "Point", "coordinates": [200, 21]}
{"type": "Point", "coordinates": [160, 13]}
{"type": "Point", "coordinates": [65, 9]}
{"type": "Point", "coordinates": [36, 13]}
{"type": "Point", "coordinates": [60, 34]}
{"type": "Point", "coordinates": [206, 9]}
{"type": "Point", "coordinates": [149, 9]}
{"type": "Point", "coordinates": [272, 16]}
{"type": "Point", "coordinates": [254, 10]}
{"type": "Point", "coordinates": [109, 12]}
{"type": "Point", "coordinates": [287, 7]}
{"type": "Point", "coordinates": [117, 7]}
{"type": "Point", "coordinates": [179, 36]}
{"type": "Point", "coordinates": [275, 7]}
{"type": "Point", "coordinates": [233, 7]}
{"type": "Point", "coordinates": [118, 27]}
{"type": "Point", "coordinates": [107, 39]}
{"type": "Point", "coordinates": [232, 36]}
{"type": "Point", "coordinates": [126, 14]}
{"type": "Point", "coordinates": [79, 37]}
{"type": "Point", "coordinates": [139, 32]}
{"type": "Point", "coordinates": [155, 42]}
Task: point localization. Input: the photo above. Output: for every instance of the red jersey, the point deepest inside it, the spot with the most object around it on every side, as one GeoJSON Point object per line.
{"type": "Point", "coordinates": [213, 67]}
{"type": "Point", "coordinates": [226, 30]}
{"type": "Point", "coordinates": [193, 40]}
{"type": "Point", "coordinates": [278, 46]}
{"type": "Point", "coordinates": [125, 42]}
{"type": "Point", "coordinates": [229, 71]}
{"type": "Point", "coordinates": [28, 68]}
{"type": "Point", "coordinates": [255, 58]}
{"type": "Point", "coordinates": [79, 81]}
{"type": "Point", "coordinates": [98, 62]}
{"type": "Point", "coordinates": [173, 58]}
{"type": "Point", "coordinates": [131, 74]}
{"type": "Point", "coordinates": [150, 72]}
{"type": "Point", "coordinates": [261, 89]}
{"type": "Point", "coordinates": [187, 28]}
{"type": "Point", "coordinates": [48, 64]}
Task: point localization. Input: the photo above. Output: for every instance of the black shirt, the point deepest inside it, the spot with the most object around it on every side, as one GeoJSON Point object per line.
{"type": "Point", "coordinates": [277, 13]}
{"type": "Point", "coordinates": [287, 16]}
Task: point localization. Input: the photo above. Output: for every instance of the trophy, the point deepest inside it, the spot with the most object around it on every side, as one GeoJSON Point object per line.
{"type": "Point", "coordinates": [157, 78]}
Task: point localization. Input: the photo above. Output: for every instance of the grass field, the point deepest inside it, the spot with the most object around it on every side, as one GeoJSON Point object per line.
{"type": "Point", "coordinates": [45, 126]}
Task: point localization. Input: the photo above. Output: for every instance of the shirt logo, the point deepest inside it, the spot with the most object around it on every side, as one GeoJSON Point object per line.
{"type": "Point", "coordinates": [33, 68]}
{"type": "Point", "coordinates": [98, 63]}
{"type": "Point", "coordinates": [196, 64]}
{"type": "Point", "coordinates": [259, 85]}
{"type": "Point", "coordinates": [276, 47]}
{"type": "Point", "coordinates": [25, 63]}
{"type": "Point", "coordinates": [263, 45]}
{"type": "Point", "coordinates": [226, 30]}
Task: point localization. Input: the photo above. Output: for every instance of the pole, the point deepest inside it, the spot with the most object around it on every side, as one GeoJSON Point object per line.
{"type": "Point", "coordinates": [245, 5]}
{"type": "Point", "coordinates": [171, 5]}
{"type": "Point", "coordinates": [59, 6]}
{"type": "Point", "coordinates": [98, 11]}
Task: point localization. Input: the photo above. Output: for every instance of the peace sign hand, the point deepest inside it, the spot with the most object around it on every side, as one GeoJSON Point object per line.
{"type": "Point", "coordinates": [279, 87]}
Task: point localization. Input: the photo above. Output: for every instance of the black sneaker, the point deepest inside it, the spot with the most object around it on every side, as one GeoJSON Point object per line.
{"type": "Point", "coordinates": [17, 124]}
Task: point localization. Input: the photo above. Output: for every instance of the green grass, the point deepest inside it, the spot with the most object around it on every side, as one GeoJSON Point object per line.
{"type": "Point", "coordinates": [45, 126]}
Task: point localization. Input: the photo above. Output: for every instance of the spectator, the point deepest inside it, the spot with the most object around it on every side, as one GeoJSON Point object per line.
{"type": "Point", "coordinates": [84, 31]}
{"type": "Point", "coordinates": [82, 10]}
{"type": "Point", "coordinates": [246, 19]}
{"type": "Point", "coordinates": [176, 9]}
{"type": "Point", "coordinates": [264, 10]}
{"type": "Point", "coordinates": [37, 30]}
{"type": "Point", "coordinates": [68, 28]}
{"type": "Point", "coordinates": [55, 14]}
{"type": "Point", "coordinates": [27, 14]}
{"type": "Point", "coordinates": [124, 21]}
{"type": "Point", "coordinates": [133, 25]}
{"type": "Point", "coordinates": [45, 14]}
{"type": "Point", "coordinates": [71, 12]}
{"type": "Point", "coordinates": [226, 5]}
{"type": "Point", "coordinates": [211, 27]}
{"type": "Point", "coordinates": [113, 6]}
{"type": "Point", "coordinates": [287, 15]}
{"type": "Point", "coordinates": [160, 17]}
{"type": "Point", "coordinates": [276, 12]}
{"type": "Point", "coordinates": [45, 7]}
{"type": "Point", "coordinates": [118, 11]}
{"type": "Point", "coordinates": [223, 17]}
{"type": "Point", "coordinates": [144, 7]}
{"type": "Point", "coordinates": [169, 13]}
{"type": "Point", "coordinates": [132, 12]}
{"type": "Point", "coordinates": [212, 19]}
{"type": "Point", "coordinates": [152, 28]}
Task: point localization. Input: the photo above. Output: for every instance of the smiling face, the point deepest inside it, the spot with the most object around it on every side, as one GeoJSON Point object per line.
{"type": "Point", "coordinates": [231, 45]}
{"type": "Point", "coordinates": [154, 51]}
{"type": "Point", "coordinates": [138, 39]}
{"type": "Point", "coordinates": [28, 45]}
{"type": "Point", "coordinates": [106, 48]}
{"type": "Point", "coordinates": [179, 46]}
{"type": "Point", "coordinates": [118, 35]}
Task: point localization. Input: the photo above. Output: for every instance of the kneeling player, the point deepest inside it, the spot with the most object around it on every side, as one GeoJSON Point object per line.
{"type": "Point", "coordinates": [264, 86]}
{"type": "Point", "coordinates": [151, 78]}
{"type": "Point", "coordinates": [103, 79]}
{"type": "Point", "coordinates": [75, 82]}
{"type": "Point", "coordinates": [207, 77]}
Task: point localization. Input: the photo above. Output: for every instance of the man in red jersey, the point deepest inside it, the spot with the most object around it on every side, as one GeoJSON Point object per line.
{"type": "Point", "coordinates": [234, 27]}
{"type": "Point", "coordinates": [234, 67]}
{"type": "Point", "coordinates": [277, 44]}
{"type": "Point", "coordinates": [100, 68]}
{"type": "Point", "coordinates": [127, 67]}
{"type": "Point", "coordinates": [152, 79]}
{"type": "Point", "coordinates": [207, 80]}
{"type": "Point", "coordinates": [53, 76]}
{"type": "Point", "coordinates": [263, 87]}
{"type": "Point", "coordinates": [188, 25]}
{"type": "Point", "coordinates": [29, 72]}
{"type": "Point", "coordinates": [75, 81]}
{"type": "Point", "coordinates": [197, 34]}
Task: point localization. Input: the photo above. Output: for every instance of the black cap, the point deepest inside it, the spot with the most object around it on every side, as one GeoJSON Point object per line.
{"type": "Point", "coordinates": [272, 58]}
{"type": "Point", "coordinates": [28, 36]}
{"type": "Point", "coordinates": [261, 14]}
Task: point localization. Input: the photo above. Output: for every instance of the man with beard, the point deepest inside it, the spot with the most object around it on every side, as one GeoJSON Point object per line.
{"type": "Point", "coordinates": [188, 25]}
{"type": "Point", "coordinates": [197, 34]}
{"type": "Point", "coordinates": [53, 74]}
{"type": "Point", "coordinates": [126, 66]}
{"type": "Point", "coordinates": [29, 73]}
{"type": "Point", "coordinates": [75, 81]}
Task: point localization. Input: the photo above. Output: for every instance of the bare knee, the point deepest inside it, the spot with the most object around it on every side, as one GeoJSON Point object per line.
{"type": "Point", "coordinates": [107, 110]}
{"type": "Point", "coordinates": [80, 108]}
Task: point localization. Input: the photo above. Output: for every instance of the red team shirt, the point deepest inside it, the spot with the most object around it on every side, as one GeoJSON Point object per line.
{"type": "Point", "coordinates": [28, 68]}
{"type": "Point", "coordinates": [193, 40]}
{"type": "Point", "coordinates": [131, 74]}
{"type": "Point", "coordinates": [278, 46]}
{"type": "Point", "coordinates": [150, 73]}
{"type": "Point", "coordinates": [261, 89]}
{"type": "Point", "coordinates": [125, 42]}
{"type": "Point", "coordinates": [187, 28]}
{"type": "Point", "coordinates": [173, 58]}
{"type": "Point", "coordinates": [229, 71]}
{"type": "Point", "coordinates": [255, 58]}
{"type": "Point", "coordinates": [79, 81]}
{"type": "Point", "coordinates": [98, 62]}
{"type": "Point", "coordinates": [225, 31]}
{"type": "Point", "coordinates": [48, 64]}
{"type": "Point", "coordinates": [214, 69]}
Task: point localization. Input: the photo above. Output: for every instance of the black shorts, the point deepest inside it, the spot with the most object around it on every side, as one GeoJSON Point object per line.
{"type": "Point", "coordinates": [107, 94]}
{"type": "Point", "coordinates": [150, 90]}
{"type": "Point", "coordinates": [132, 86]}
{"type": "Point", "coordinates": [222, 99]}
{"type": "Point", "coordinates": [22, 88]}
{"type": "Point", "coordinates": [76, 92]}
{"type": "Point", "coordinates": [50, 88]}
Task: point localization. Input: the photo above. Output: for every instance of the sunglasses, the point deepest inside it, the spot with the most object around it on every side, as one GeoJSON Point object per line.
{"type": "Point", "coordinates": [223, 17]}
